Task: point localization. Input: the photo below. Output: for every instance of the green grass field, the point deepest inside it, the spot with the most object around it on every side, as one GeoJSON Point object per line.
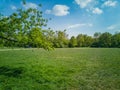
{"type": "Point", "coordinates": [61, 69]}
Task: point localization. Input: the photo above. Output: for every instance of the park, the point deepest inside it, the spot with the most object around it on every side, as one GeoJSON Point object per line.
{"type": "Point", "coordinates": [45, 47]}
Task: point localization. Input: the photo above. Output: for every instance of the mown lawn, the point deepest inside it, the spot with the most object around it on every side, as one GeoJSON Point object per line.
{"type": "Point", "coordinates": [61, 69]}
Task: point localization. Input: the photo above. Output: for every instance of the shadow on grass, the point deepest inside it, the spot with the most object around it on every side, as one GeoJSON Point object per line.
{"type": "Point", "coordinates": [11, 72]}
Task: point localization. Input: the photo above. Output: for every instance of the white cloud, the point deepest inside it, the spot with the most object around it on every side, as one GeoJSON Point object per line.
{"type": "Point", "coordinates": [13, 7]}
{"type": "Point", "coordinates": [30, 5]}
{"type": "Point", "coordinates": [83, 3]}
{"type": "Point", "coordinates": [97, 11]}
{"type": "Point", "coordinates": [80, 25]}
{"type": "Point", "coordinates": [89, 6]}
{"type": "Point", "coordinates": [59, 10]}
{"type": "Point", "coordinates": [111, 27]}
{"type": "Point", "coordinates": [114, 27]}
{"type": "Point", "coordinates": [110, 3]}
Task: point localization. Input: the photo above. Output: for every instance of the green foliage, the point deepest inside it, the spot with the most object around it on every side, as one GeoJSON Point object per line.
{"type": "Point", "coordinates": [72, 42]}
{"type": "Point", "coordinates": [80, 40]}
{"type": "Point", "coordinates": [61, 69]}
{"type": "Point", "coordinates": [105, 40]}
{"type": "Point", "coordinates": [35, 37]}
{"type": "Point", "coordinates": [97, 35]}
{"type": "Point", "coordinates": [116, 40]}
{"type": "Point", "coordinates": [61, 39]}
{"type": "Point", "coordinates": [25, 28]}
{"type": "Point", "coordinates": [84, 40]}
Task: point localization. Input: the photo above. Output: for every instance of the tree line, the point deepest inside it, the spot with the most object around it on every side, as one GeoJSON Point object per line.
{"type": "Point", "coordinates": [59, 39]}
{"type": "Point", "coordinates": [24, 28]}
{"type": "Point", "coordinates": [105, 39]}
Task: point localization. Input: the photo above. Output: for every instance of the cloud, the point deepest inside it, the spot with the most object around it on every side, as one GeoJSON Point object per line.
{"type": "Point", "coordinates": [111, 27]}
{"type": "Point", "coordinates": [83, 3]}
{"type": "Point", "coordinates": [79, 25]}
{"type": "Point", "coordinates": [97, 11]}
{"type": "Point", "coordinates": [13, 7]}
{"type": "Point", "coordinates": [30, 5]}
{"type": "Point", "coordinates": [114, 27]}
{"type": "Point", "coordinates": [59, 10]}
{"type": "Point", "coordinates": [89, 6]}
{"type": "Point", "coordinates": [110, 3]}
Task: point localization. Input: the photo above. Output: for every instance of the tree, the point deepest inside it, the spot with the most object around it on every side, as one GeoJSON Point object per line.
{"type": "Point", "coordinates": [96, 39]}
{"type": "Point", "coordinates": [97, 35]}
{"type": "Point", "coordinates": [105, 39]}
{"type": "Point", "coordinates": [72, 42]}
{"type": "Point", "coordinates": [80, 40]}
{"type": "Point", "coordinates": [61, 39]}
{"type": "Point", "coordinates": [116, 40]}
{"type": "Point", "coordinates": [25, 24]}
{"type": "Point", "coordinates": [88, 41]}
{"type": "Point", "coordinates": [84, 40]}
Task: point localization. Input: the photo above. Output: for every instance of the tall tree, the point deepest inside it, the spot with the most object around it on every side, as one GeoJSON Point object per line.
{"type": "Point", "coordinates": [116, 40]}
{"type": "Point", "coordinates": [72, 42]}
{"type": "Point", "coordinates": [80, 40]}
{"type": "Point", "coordinates": [61, 39]}
{"type": "Point", "coordinates": [25, 24]}
{"type": "Point", "coordinates": [96, 39]}
{"type": "Point", "coordinates": [105, 39]}
{"type": "Point", "coordinates": [88, 41]}
{"type": "Point", "coordinates": [97, 34]}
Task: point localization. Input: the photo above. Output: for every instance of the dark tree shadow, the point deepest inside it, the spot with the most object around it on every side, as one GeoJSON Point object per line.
{"type": "Point", "coordinates": [11, 72]}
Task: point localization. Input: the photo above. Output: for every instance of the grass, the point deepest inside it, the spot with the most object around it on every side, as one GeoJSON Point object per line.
{"type": "Point", "coordinates": [61, 69]}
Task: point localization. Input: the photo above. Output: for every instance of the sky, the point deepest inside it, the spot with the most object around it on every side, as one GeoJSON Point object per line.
{"type": "Point", "coordinates": [76, 16]}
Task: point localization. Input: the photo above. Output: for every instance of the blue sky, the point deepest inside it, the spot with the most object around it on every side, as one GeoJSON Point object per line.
{"type": "Point", "coordinates": [77, 16]}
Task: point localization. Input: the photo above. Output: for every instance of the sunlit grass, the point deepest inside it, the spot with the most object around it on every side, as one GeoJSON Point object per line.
{"type": "Point", "coordinates": [61, 69]}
